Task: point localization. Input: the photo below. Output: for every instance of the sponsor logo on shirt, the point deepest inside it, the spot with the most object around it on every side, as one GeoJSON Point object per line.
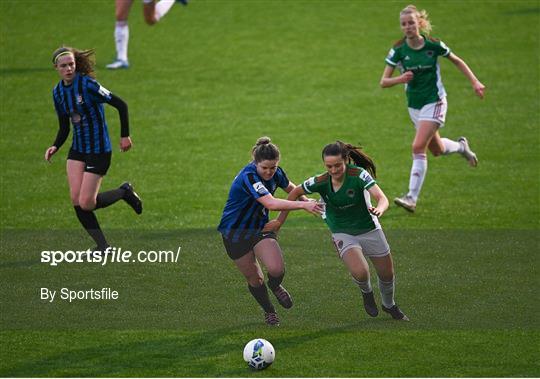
{"type": "Point", "coordinates": [419, 67]}
{"type": "Point", "coordinates": [407, 57]}
{"type": "Point", "coordinates": [260, 188]}
{"type": "Point", "coordinates": [309, 182]}
{"type": "Point", "coordinates": [104, 91]}
{"type": "Point", "coordinates": [364, 175]}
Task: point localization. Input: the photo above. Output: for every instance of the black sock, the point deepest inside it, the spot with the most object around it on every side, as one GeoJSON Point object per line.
{"type": "Point", "coordinates": [274, 282]}
{"type": "Point", "coordinates": [261, 295]}
{"type": "Point", "coordinates": [104, 199]}
{"type": "Point", "coordinates": [90, 223]}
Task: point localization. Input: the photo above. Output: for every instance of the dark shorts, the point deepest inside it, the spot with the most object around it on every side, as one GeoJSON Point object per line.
{"type": "Point", "coordinates": [94, 163]}
{"type": "Point", "coordinates": [238, 249]}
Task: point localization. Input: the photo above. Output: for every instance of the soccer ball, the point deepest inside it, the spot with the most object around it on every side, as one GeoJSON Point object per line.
{"type": "Point", "coordinates": [259, 354]}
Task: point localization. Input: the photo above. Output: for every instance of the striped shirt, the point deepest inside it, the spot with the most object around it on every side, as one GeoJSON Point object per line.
{"type": "Point", "coordinates": [82, 101]}
{"type": "Point", "coordinates": [243, 216]}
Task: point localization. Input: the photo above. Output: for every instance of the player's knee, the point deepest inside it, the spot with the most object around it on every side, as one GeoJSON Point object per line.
{"type": "Point", "coordinates": [87, 203]}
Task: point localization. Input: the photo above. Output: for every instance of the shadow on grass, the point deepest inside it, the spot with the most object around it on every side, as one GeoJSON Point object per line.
{"type": "Point", "coordinates": [523, 11]}
{"type": "Point", "coordinates": [156, 353]}
{"type": "Point", "coordinates": [22, 70]}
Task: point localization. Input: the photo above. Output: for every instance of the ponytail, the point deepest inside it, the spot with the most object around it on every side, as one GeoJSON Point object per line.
{"type": "Point", "coordinates": [351, 154]}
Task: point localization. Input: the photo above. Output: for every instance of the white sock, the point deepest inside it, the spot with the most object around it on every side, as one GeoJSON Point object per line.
{"type": "Point", "coordinates": [365, 287]}
{"type": "Point", "coordinates": [418, 173]}
{"type": "Point", "coordinates": [162, 7]}
{"type": "Point", "coordinates": [387, 293]}
{"type": "Point", "coordinates": [121, 38]}
{"type": "Point", "coordinates": [451, 147]}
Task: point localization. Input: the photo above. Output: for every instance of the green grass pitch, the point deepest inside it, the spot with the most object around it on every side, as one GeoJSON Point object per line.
{"type": "Point", "coordinates": [204, 84]}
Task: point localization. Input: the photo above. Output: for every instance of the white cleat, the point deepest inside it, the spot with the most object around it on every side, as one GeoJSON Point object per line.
{"type": "Point", "coordinates": [406, 202]}
{"type": "Point", "coordinates": [118, 64]}
{"type": "Point", "coordinates": [467, 153]}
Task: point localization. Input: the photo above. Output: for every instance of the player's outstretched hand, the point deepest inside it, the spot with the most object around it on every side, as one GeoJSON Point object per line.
{"type": "Point", "coordinates": [50, 152]}
{"type": "Point", "coordinates": [313, 207]}
{"type": "Point", "coordinates": [272, 226]}
{"type": "Point", "coordinates": [125, 144]}
{"type": "Point", "coordinates": [479, 88]}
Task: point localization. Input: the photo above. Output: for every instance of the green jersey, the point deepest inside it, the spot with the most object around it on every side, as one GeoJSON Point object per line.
{"type": "Point", "coordinates": [426, 86]}
{"type": "Point", "coordinates": [346, 208]}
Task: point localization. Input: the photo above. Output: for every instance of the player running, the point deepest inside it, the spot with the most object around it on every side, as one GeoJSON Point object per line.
{"type": "Point", "coordinates": [243, 225]}
{"type": "Point", "coordinates": [416, 57]}
{"type": "Point", "coordinates": [79, 98]}
{"type": "Point", "coordinates": [153, 12]}
{"type": "Point", "coordinates": [346, 190]}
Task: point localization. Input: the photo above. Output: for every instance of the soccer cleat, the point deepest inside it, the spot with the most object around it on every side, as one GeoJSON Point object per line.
{"type": "Point", "coordinates": [131, 197]}
{"type": "Point", "coordinates": [118, 64]}
{"type": "Point", "coordinates": [369, 304]}
{"type": "Point", "coordinates": [283, 297]}
{"type": "Point", "coordinates": [406, 202]}
{"type": "Point", "coordinates": [271, 318]}
{"type": "Point", "coordinates": [395, 312]}
{"type": "Point", "coordinates": [183, 2]}
{"type": "Point", "coordinates": [467, 153]}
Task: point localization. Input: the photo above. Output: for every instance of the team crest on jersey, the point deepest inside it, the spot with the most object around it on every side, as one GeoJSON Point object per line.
{"type": "Point", "coordinates": [350, 193]}
{"type": "Point", "coordinates": [407, 57]}
{"type": "Point", "coordinates": [430, 53]}
{"type": "Point", "coordinates": [75, 117]}
{"type": "Point", "coordinates": [79, 99]}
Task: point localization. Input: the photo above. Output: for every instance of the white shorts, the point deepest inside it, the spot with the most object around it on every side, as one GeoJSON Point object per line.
{"type": "Point", "coordinates": [435, 112]}
{"type": "Point", "coordinates": [372, 243]}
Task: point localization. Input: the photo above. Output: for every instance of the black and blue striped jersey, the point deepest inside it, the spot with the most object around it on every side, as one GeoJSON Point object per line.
{"type": "Point", "coordinates": [243, 216]}
{"type": "Point", "coordinates": [82, 101]}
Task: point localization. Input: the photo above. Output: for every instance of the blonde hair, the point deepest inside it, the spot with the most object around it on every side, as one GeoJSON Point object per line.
{"type": "Point", "coordinates": [422, 16]}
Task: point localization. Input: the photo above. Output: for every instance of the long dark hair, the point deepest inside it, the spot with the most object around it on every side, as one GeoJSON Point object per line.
{"type": "Point", "coordinates": [84, 59]}
{"type": "Point", "coordinates": [350, 154]}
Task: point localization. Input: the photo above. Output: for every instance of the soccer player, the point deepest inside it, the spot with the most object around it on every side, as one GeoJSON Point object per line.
{"type": "Point", "coordinates": [346, 190]}
{"type": "Point", "coordinates": [416, 57]}
{"type": "Point", "coordinates": [243, 225]}
{"type": "Point", "coordinates": [79, 98]}
{"type": "Point", "coordinates": [153, 12]}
